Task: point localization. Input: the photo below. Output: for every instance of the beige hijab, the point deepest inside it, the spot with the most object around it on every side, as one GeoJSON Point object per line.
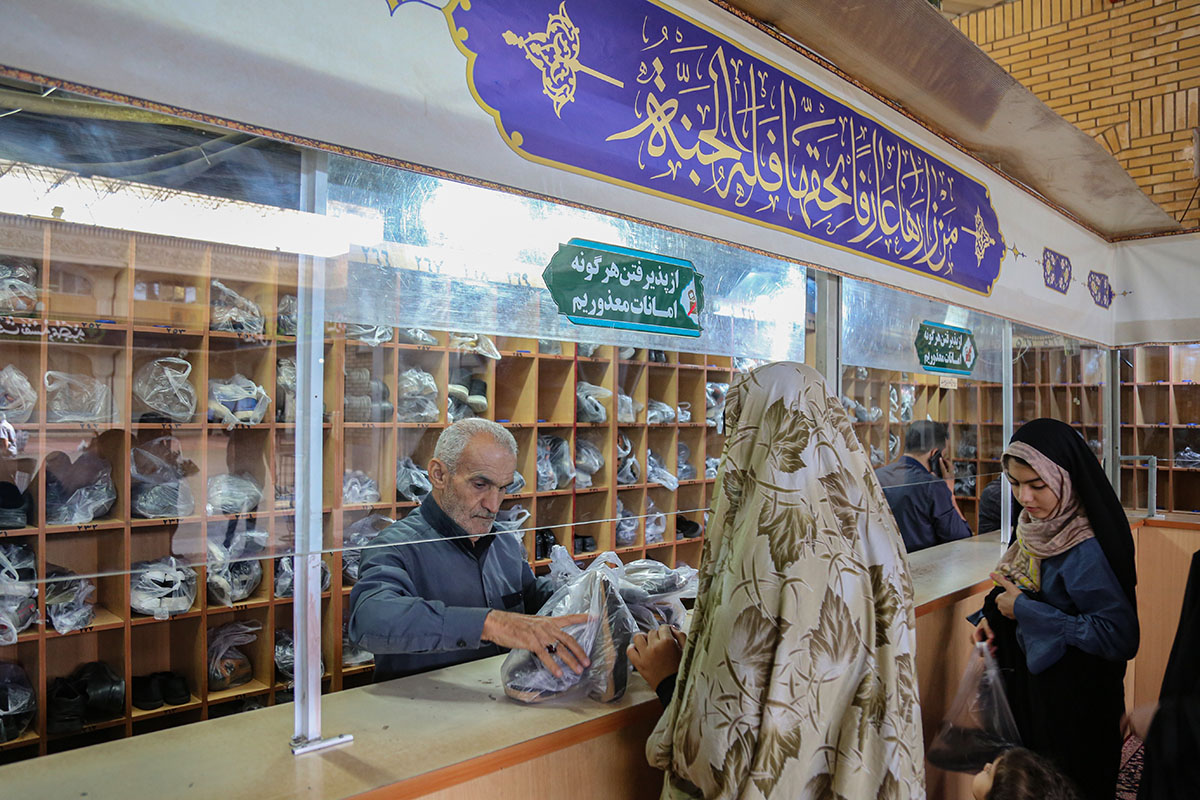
{"type": "Point", "coordinates": [798, 677]}
{"type": "Point", "coordinates": [1038, 539]}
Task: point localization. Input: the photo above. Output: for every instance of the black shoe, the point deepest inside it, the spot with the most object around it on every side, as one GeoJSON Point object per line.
{"type": "Point", "coordinates": [543, 541]}
{"type": "Point", "coordinates": [686, 528]}
{"type": "Point", "coordinates": [147, 692]}
{"type": "Point", "coordinates": [105, 690]}
{"type": "Point", "coordinates": [174, 688]}
{"type": "Point", "coordinates": [66, 703]}
{"type": "Point", "coordinates": [477, 396]}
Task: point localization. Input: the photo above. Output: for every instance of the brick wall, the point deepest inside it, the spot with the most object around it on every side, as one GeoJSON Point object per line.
{"type": "Point", "coordinates": [1127, 74]}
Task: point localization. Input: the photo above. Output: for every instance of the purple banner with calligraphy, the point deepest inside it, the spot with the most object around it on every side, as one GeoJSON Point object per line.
{"type": "Point", "coordinates": [633, 93]}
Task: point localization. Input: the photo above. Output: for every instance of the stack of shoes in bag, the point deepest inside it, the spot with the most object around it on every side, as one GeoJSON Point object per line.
{"type": "Point", "coordinates": [367, 398]}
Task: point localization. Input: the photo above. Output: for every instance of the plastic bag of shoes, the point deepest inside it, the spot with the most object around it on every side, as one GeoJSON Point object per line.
{"type": "Point", "coordinates": [656, 523]}
{"type": "Point", "coordinates": [412, 482]}
{"type": "Point", "coordinates": [588, 461]}
{"type": "Point", "coordinates": [628, 469]}
{"type": "Point", "coordinates": [475, 343]}
{"type": "Point", "coordinates": [627, 408]}
{"type": "Point", "coordinates": [236, 401]}
{"type": "Point", "coordinates": [604, 638]}
{"type": "Point", "coordinates": [1187, 457]}
{"type": "Point", "coordinates": [17, 395]}
{"type": "Point", "coordinates": [359, 487]}
{"type": "Point", "coordinates": [893, 446]}
{"type": "Point", "coordinates": [158, 487]}
{"type": "Point", "coordinates": [233, 494]}
{"type": "Point", "coordinates": [627, 525]}
{"type": "Point", "coordinates": [285, 576]}
{"type": "Point", "coordinates": [287, 321]}
{"type": "Point", "coordinates": [285, 657]}
{"type": "Point", "coordinates": [232, 312]}
{"type": "Point", "coordinates": [511, 520]}
{"type": "Point", "coordinates": [589, 402]}
{"type": "Point", "coordinates": [686, 528]}
{"type": "Point", "coordinates": [657, 472]}
{"type": "Point", "coordinates": [162, 588]}
{"type": "Point", "coordinates": [232, 575]}
{"type": "Point", "coordinates": [18, 570]}
{"type": "Point", "coordinates": [18, 703]}
{"type": "Point", "coordinates": [80, 491]}
{"type": "Point", "coordinates": [877, 457]}
{"type": "Point", "coordinates": [18, 286]}
{"type": "Point", "coordinates": [683, 412]}
{"type": "Point", "coordinates": [456, 410]}
{"type": "Point", "coordinates": [562, 463]}
{"type": "Point", "coordinates": [70, 603]}
{"type": "Point", "coordinates": [372, 335]}
{"type": "Point", "coordinates": [357, 535]}
{"type": "Point", "coordinates": [16, 614]}
{"type": "Point", "coordinates": [711, 465]}
{"type": "Point", "coordinates": [76, 398]}
{"type": "Point", "coordinates": [587, 350]}
{"type": "Point", "coordinates": [227, 665]}
{"type": "Point", "coordinates": [163, 387]}
{"type": "Point", "coordinates": [285, 390]}
{"type": "Point", "coordinates": [543, 541]}
{"type": "Point", "coordinates": [549, 347]}
{"type": "Point", "coordinates": [546, 481]}
{"type": "Point", "coordinates": [626, 353]}
{"type": "Point", "coordinates": [714, 405]}
{"type": "Point", "coordinates": [416, 382]}
{"type": "Point", "coordinates": [517, 485]}
{"type": "Point", "coordinates": [417, 336]}
{"type": "Point", "coordinates": [417, 409]}
{"type": "Point", "coordinates": [686, 471]}
{"type": "Point", "coordinates": [659, 413]}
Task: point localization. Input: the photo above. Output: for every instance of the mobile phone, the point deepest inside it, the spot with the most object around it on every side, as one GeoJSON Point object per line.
{"type": "Point", "coordinates": [935, 463]}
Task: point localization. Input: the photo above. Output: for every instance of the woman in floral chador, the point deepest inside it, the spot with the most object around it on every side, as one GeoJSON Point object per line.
{"type": "Point", "coordinates": [798, 677]}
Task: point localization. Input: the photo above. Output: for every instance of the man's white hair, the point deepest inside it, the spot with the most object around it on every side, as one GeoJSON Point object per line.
{"type": "Point", "coordinates": [453, 441]}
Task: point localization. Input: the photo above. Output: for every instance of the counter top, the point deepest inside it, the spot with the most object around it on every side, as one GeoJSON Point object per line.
{"type": "Point", "coordinates": [410, 729]}
{"type": "Point", "coordinates": [945, 574]}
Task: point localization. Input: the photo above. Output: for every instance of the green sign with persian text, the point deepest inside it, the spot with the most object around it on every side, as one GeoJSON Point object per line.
{"type": "Point", "coordinates": [616, 287]}
{"type": "Point", "coordinates": [942, 348]}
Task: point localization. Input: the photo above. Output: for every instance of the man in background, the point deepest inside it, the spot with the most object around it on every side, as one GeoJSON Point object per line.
{"type": "Point", "coordinates": [920, 489]}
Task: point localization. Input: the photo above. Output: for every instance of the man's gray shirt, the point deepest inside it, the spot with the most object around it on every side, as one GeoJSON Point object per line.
{"type": "Point", "coordinates": [424, 590]}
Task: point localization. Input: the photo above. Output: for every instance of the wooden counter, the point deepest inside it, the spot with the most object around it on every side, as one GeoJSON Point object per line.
{"type": "Point", "coordinates": [453, 734]}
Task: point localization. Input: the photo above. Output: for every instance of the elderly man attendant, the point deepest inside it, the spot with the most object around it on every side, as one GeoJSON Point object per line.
{"type": "Point", "coordinates": [439, 588]}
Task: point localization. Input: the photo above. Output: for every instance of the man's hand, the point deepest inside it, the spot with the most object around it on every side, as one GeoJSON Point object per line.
{"type": "Point", "coordinates": [983, 633]}
{"type": "Point", "coordinates": [542, 636]}
{"type": "Point", "coordinates": [656, 655]}
{"type": "Point", "coordinates": [1006, 602]}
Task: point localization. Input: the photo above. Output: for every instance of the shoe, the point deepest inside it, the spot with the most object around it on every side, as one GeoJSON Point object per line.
{"type": "Point", "coordinates": [686, 528]}
{"type": "Point", "coordinates": [174, 688]}
{"type": "Point", "coordinates": [105, 690]}
{"type": "Point", "coordinates": [147, 692]}
{"type": "Point", "coordinates": [66, 703]}
{"type": "Point", "coordinates": [459, 386]}
{"type": "Point", "coordinates": [477, 399]}
{"type": "Point", "coordinates": [543, 542]}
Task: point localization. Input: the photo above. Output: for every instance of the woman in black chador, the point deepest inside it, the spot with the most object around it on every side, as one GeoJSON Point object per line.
{"type": "Point", "coordinates": [1063, 618]}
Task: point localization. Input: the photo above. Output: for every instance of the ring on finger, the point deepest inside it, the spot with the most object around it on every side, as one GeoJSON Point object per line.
{"type": "Point", "coordinates": [552, 648]}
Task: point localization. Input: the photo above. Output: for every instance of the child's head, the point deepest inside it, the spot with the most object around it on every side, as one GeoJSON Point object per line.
{"type": "Point", "coordinates": [1021, 774]}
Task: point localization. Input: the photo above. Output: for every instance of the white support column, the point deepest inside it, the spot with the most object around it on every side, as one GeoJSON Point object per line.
{"type": "Point", "coordinates": [310, 405]}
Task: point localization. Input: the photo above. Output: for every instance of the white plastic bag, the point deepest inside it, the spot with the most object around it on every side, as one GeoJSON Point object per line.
{"type": "Point", "coordinates": [76, 398]}
{"type": "Point", "coordinates": [659, 413]}
{"type": "Point", "coordinates": [979, 725]}
{"type": "Point", "coordinates": [656, 522]}
{"type": "Point", "coordinates": [628, 469]}
{"type": "Point", "coordinates": [237, 401]}
{"type": "Point", "coordinates": [163, 386]}
{"type": "Point", "coordinates": [627, 408]}
{"type": "Point", "coordinates": [657, 472]}
{"type": "Point", "coordinates": [359, 487]}
{"type": "Point", "coordinates": [558, 461]}
{"type": "Point", "coordinates": [158, 487]}
{"type": "Point", "coordinates": [227, 665]}
{"type": "Point", "coordinates": [604, 638]}
{"type": "Point", "coordinates": [162, 588]}
{"type": "Point", "coordinates": [232, 312]}
{"type": "Point", "coordinates": [588, 461]}
{"type": "Point", "coordinates": [412, 482]}
{"type": "Point", "coordinates": [233, 494]}
{"type": "Point", "coordinates": [590, 402]}
{"type": "Point", "coordinates": [17, 395]}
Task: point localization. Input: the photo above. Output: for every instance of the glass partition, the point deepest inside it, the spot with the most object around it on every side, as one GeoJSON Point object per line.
{"type": "Point", "coordinates": [886, 390]}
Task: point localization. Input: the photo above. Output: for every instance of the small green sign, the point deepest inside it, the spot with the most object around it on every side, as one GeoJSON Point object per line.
{"type": "Point", "coordinates": [616, 287]}
{"type": "Point", "coordinates": [942, 348]}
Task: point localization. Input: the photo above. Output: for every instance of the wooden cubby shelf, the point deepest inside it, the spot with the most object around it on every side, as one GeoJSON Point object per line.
{"type": "Point", "coordinates": [113, 302]}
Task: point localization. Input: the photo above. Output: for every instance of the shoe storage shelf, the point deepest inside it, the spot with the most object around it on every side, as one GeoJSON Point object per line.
{"type": "Point", "coordinates": [1160, 416]}
{"type": "Point", "coordinates": [110, 302]}
{"type": "Point", "coordinates": [1046, 383]}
